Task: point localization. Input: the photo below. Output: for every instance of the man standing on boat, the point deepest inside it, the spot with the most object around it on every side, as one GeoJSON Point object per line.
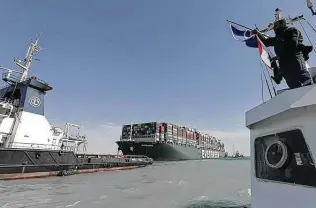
{"type": "Point", "coordinates": [290, 53]}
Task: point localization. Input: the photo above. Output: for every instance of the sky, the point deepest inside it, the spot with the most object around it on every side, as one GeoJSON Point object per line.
{"type": "Point", "coordinates": [115, 62]}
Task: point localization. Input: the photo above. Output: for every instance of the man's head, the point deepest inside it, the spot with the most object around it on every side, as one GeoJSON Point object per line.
{"type": "Point", "coordinates": [279, 26]}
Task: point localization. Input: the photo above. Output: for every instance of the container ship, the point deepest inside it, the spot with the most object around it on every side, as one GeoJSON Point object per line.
{"type": "Point", "coordinates": [30, 146]}
{"type": "Point", "coordinates": [168, 142]}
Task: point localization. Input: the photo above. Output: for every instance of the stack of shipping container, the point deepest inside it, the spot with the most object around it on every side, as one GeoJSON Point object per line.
{"type": "Point", "coordinates": [161, 132]}
{"type": "Point", "coordinates": [170, 133]}
{"type": "Point", "coordinates": [174, 134]}
{"type": "Point", "coordinates": [180, 135]}
{"type": "Point", "coordinates": [144, 130]}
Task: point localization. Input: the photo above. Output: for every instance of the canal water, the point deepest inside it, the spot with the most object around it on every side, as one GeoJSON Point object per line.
{"type": "Point", "coordinates": [187, 184]}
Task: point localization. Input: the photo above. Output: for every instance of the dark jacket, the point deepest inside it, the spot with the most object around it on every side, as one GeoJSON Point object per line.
{"type": "Point", "coordinates": [292, 54]}
{"type": "Point", "coordinates": [287, 44]}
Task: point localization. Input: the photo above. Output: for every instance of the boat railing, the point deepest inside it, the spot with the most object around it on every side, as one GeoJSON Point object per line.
{"type": "Point", "coordinates": [37, 79]}
{"type": "Point", "coordinates": [6, 108]}
{"type": "Point", "coordinates": [73, 132]}
{"type": "Point", "coordinates": [34, 146]}
{"type": "Point", "coordinates": [6, 101]}
{"type": "Point", "coordinates": [78, 137]}
{"type": "Point", "coordinates": [43, 146]}
{"type": "Point", "coordinates": [82, 155]}
{"type": "Point", "coordinates": [14, 77]}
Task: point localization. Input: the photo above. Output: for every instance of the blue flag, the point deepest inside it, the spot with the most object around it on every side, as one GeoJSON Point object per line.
{"type": "Point", "coordinates": [244, 36]}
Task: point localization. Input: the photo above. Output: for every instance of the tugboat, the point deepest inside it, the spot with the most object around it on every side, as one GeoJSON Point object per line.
{"type": "Point", "coordinates": [237, 155]}
{"type": "Point", "coordinates": [234, 156]}
{"type": "Point", "coordinates": [283, 147]}
{"type": "Point", "coordinates": [29, 146]}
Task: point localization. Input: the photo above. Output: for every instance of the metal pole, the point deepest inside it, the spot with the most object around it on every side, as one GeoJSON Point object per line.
{"type": "Point", "coordinates": [248, 28]}
{"type": "Point", "coordinates": [310, 6]}
{"type": "Point", "coordinates": [131, 131]}
{"type": "Point", "coordinates": [229, 21]}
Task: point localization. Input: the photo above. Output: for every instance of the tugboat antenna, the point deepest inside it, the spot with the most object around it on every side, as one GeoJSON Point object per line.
{"type": "Point", "coordinates": [310, 6]}
{"type": "Point", "coordinates": [25, 65]}
{"type": "Point", "coordinates": [277, 14]}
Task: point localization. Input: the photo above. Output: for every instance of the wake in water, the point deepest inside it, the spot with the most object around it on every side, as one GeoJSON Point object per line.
{"type": "Point", "coordinates": [203, 202]}
{"type": "Point", "coordinates": [217, 204]}
{"type": "Point", "coordinates": [242, 193]}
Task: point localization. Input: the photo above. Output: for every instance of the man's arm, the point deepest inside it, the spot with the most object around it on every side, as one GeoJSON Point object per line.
{"type": "Point", "coordinates": [266, 41]}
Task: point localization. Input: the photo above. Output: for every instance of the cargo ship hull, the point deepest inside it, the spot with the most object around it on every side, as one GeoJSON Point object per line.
{"type": "Point", "coordinates": [167, 152]}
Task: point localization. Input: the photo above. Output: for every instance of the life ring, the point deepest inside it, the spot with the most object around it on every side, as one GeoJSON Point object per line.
{"type": "Point", "coordinates": [282, 160]}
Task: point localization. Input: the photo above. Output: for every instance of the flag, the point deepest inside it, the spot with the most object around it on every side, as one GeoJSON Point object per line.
{"type": "Point", "coordinates": [253, 41]}
{"type": "Point", "coordinates": [264, 55]}
{"type": "Point", "coordinates": [244, 36]}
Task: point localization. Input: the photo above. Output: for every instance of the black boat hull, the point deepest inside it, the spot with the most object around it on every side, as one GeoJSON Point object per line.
{"type": "Point", "coordinates": [167, 152]}
{"type": "Point", "coordinates": [32, 163]}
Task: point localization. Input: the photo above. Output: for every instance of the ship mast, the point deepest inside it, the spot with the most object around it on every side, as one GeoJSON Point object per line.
{"type": "Point", "coordinates": [15, 76]}
{"type": "Point", "coordinates": [233, 149]}
{"type": "Point", "coordinates": [25, 65]}
{"type": "Point", "coordinates": [277, 14]}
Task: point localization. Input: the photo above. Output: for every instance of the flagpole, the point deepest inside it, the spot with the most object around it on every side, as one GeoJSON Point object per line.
{"type": "Point", "coordinates": [248, 28]}
{"type": "Point", "coordinates": [231, 22]}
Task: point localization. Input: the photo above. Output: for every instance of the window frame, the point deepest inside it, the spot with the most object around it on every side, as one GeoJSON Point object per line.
{"type": "Point", "coordinates": [272, 133]}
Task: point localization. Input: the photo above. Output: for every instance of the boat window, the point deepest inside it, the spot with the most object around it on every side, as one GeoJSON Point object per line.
{"type": "Point", "coordinates": [285, 157]}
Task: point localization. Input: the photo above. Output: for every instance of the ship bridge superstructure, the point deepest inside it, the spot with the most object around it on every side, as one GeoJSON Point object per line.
{"type": "Point", "coordinates": [22, 118]}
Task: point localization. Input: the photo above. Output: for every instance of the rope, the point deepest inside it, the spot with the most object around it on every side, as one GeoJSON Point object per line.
{"type": "Point", "coordinates": [266, 80]}
{"type": "Point", "coordinates": [310, 25]}
{"type": "Point", "coordinates": [270, 54]}
{"type": "Point", "coordinates": [307, 35]}
{"type": "Point", "coordinates": [262, 88]}
{"type": "Point", "coordinates": [273, 87]}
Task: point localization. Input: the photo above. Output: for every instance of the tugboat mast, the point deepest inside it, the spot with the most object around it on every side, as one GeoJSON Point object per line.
{"type": "Point", "coordinates": [277, 14]}
{"type": "Point", "coordinates": [25, 65]}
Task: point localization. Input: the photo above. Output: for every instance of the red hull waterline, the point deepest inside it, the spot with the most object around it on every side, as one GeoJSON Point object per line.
{"type": "Point", "coordinates": [18, 176]}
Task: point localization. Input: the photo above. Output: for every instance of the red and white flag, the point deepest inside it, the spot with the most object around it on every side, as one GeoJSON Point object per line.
{"type": "Point", "coordinates": [265, 57]}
